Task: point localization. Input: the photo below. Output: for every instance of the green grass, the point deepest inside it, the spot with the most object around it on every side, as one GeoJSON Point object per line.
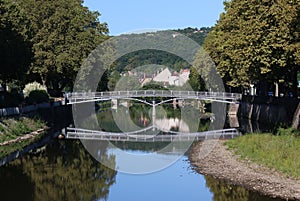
{"type": "Point", "coordinates": [14, 127]}
{"type": "Point", "coordinates": [280, 152]}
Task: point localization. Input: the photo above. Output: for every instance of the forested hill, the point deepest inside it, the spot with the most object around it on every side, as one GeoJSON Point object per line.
{"type": "Point", "coordinates": [145, 57]}
{"type": "Point", "coordinates": [196, 34]}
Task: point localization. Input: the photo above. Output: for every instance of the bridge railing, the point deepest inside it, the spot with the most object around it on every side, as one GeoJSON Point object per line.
{"type": "Point", "coordinates": [77, 133]}
{"type": "Point", "coordinates": [75, 96]}
{"type": "Point", "coordinates": [141, 93]}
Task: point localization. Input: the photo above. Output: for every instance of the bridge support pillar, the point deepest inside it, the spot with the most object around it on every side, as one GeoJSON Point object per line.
{"type": "Point", "coordinates": [153, 114]}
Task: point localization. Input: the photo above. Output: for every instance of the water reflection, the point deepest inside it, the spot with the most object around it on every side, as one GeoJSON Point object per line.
{"type": "Point", "coordinates": [63, 171]}
{"type": "Point", "coordinates": [138, 117]}
{"type": "Point", "coordinates": [15, 185]}
{"type": "Point", "coordinates": [222, 191]}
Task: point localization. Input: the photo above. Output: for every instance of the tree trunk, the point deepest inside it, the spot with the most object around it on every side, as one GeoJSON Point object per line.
{"type": "Point", "coordinates": [296, 117]}
{"type": "Point", "coordinates": [295, 81]}
{"type": "Point", "coordinates": [276, 89]}
{"type": "Point", "coordinates": [57, 85]}
{"type": "Point", "coordinates": [44, 80]}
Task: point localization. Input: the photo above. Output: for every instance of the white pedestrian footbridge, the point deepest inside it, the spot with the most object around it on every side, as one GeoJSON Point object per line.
{"type": "Point", "coordinates": [138, 95]}
{"type": "Point", "coordinates": [152, 133]}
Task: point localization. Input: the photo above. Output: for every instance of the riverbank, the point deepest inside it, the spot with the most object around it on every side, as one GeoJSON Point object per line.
{"type": "Point", "coordinates": [223, 164]}
{"type": "Point", "coordinates": [16, 133]}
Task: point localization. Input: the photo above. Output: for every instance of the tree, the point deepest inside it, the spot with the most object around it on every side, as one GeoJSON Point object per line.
{"type": "Point", "coordinates": [256, 41]}
{"type": "Point", "coordinates": [64, 32]}
{"type": "Point", "coordinates": [15, 48]}
{"type": "Point", "coordinates": [196, 81]}
{"type": "Point", "coordinates": [204, 66]}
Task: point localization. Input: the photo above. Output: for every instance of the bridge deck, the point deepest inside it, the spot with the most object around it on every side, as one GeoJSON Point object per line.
{"type": "Point", "coordinates": [78, 97]}
{"type": "Point", "coordinates": [75, 133]}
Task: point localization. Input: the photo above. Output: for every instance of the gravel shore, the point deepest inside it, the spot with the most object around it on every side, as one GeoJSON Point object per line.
{"type": "Point", "coordinates": [223, 164]}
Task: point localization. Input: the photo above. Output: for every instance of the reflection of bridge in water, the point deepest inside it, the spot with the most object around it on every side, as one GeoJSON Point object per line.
{"type": "Point", "coordinates": [169, 124]}
{"type": "Point", "coordinates": [84, 97]}
{"type": "Point", "coordinates": [156, 132]}
{"type": "Point", "coordinates": [152, 136]}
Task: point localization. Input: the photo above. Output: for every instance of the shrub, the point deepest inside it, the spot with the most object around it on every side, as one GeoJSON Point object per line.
{"type": "Point", "coordinates": [38, 96]}
{"type": "Point", "coordinates": [35, 93]}
{"type": "Point", "coordinates": [34, 86]}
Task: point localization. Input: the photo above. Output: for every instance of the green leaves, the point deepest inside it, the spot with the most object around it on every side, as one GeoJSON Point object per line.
{"type": "Point", "coordinates": [64, 32]}
{"type": "Point", "coordinates": [255, 40]}
{"type": "Point", "coordinates": [47, 38]}
{"type": "Point", "coordinates": [15, 50]}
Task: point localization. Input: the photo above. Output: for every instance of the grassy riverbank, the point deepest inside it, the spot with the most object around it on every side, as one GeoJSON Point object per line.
{"type": "Point", "coordinates": [14, 128]}
{"type": "Point", "coordinates": [280, 152]}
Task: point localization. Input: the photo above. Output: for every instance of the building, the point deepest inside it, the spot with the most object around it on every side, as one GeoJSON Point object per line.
{"type": "Point", "coordinates": [163, 77]}
{"type": "Point", "coordinates": [175, 79]}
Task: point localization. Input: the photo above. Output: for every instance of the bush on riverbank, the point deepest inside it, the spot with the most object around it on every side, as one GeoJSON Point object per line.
{"type": "Point", "coordinates": [35, 93]}
{"type": "Point", "coordinates": [279, 152]}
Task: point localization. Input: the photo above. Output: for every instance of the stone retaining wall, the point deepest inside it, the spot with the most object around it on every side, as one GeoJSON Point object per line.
{"type": "Point", "coordinates": [270, 110]}
{"type": "Point", "coordinates": [26, 109]}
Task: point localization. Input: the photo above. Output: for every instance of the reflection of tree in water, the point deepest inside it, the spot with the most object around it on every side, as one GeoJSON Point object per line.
{"type": "Point", "coordinates": [224, 192]}
{"type": "Point", "coordinates": [66, 171]}
{"type": "Point", "coordinates": [12, 180]}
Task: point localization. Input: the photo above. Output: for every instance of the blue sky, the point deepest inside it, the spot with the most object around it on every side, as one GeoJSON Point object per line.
{"type": "Point", "coordinates": [125, 16]}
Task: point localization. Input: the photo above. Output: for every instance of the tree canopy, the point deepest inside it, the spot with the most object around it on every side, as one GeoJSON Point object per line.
{"type": "Point", "coordinates": [47, 40]}
{"type": "Point", "coordinates": [15, 48]}
{"type": "Point", "coordinates": [63, 33]}
{"type": "Point", "coordinates": [257, 40]}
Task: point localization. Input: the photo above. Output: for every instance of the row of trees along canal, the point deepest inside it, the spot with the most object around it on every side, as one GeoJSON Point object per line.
{"type": "Point", "coordinates": [254, 42]}
{"type": "Point", "coordinates": [258, 42]}
{"type": "Point", "coordinates": [49, 40]}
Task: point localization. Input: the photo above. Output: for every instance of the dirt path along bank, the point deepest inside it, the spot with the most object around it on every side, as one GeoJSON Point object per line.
{"type": "Point", "coordinates": [223, 164]}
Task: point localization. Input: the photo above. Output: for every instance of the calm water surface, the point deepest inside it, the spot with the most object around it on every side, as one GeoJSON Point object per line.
{"type": "Point", "coordinates": [65, 171]}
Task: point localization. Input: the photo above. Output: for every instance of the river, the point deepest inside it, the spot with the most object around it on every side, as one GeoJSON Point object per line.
{"type": "Point", "coordinates": [63, 170]}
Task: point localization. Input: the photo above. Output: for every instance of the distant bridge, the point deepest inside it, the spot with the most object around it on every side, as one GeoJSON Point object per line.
{"type": "Point", "coordinates": [138, 95]}
{"type": "Point", "coordinates": [136, 136]}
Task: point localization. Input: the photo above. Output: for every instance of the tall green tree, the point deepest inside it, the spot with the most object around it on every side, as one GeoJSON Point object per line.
{"type": "Point", "coordinates": [208, 78]}
{"type": "Point", "coordinates": [15, 48]}
{"type": "Point", "coordinates": [196, 81]}
{"type": "Point", "coordinates": [257, 40]}
{"type": "Point", "coordinates": [63, 33]}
